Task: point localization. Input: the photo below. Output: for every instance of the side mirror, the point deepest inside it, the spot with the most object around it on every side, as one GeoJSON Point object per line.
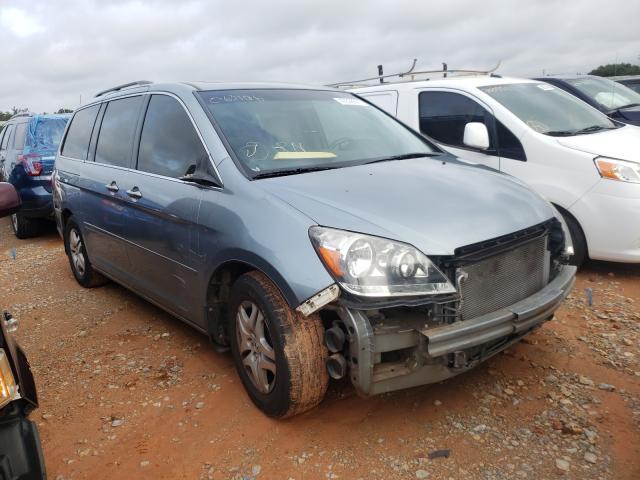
{"type": "Point", "coordinates": [476, 135]}
{"type": "Point", "coordinates": [9, 200]}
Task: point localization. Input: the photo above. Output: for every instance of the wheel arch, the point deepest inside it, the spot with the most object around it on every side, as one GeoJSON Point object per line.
{"type": "Point", "coordinates": [220, 281]}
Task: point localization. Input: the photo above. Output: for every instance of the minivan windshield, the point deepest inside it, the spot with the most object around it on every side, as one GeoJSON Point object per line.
{"type": "Point", "coordinates": [287, 131]}
{"type": "Point", "coordinates": [549, 110]}
{"type": "Point", "coordinates": [611, 95]}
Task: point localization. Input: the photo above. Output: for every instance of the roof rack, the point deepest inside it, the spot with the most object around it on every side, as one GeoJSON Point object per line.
{"type": "Point", "coordinates": [21, 114]}
{"type": "Point", "coordinates": [122, 87]}
{"type": "Point", "coordinates": [381, 77]}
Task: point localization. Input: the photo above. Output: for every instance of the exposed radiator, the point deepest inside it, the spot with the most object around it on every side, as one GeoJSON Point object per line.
{"type": "Point", "coordinates": [504, 279]}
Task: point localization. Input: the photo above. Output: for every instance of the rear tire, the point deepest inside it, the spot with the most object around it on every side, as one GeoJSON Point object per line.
{"type": "Point", "coordinates": [282, 362]}
{"type": "Point", "coordinates": [78, 258]}
{"type": "Point", "coordinates": [24, 227]}
{"type": "Point", "coordinates": [580, 254]}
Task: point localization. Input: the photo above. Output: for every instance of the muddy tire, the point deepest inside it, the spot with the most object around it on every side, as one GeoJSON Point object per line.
{"type": "Point", "coordinates": [78, 258]}
{"type": "Point", "coordinates": [279, 353]}
{"type": "Point", "coordinates": [24, 227]}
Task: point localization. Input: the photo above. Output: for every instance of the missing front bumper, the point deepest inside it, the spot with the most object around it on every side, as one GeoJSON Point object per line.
{"type": "Point", "coordinates": [421, 355]}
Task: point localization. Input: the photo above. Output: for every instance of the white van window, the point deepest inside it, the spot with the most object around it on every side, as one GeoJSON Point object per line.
{"type": "Point", "coordinates": [388, 101]}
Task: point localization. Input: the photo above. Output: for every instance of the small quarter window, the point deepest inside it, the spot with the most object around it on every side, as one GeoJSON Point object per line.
{"type": "Point", "coordinates": [169, 144]}
{"type": "Point", "coordinates": [117, 131]}
{"type": "Point", "coordinates": [76, 143]}
{"type": "Point", "coordinates": [508, 144]}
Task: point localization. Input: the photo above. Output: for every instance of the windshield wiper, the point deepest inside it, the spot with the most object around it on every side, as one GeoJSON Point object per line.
{"type": "Point", "coordinates": [560, 133]}
{"type": "Point", "coordinates": [592, 128]}
{"type": "Point", "coordinates": [629, 106]}
{"type": "Point", "coordinates": [569, 133]}
{"type": "Point", "coordinates": [404, 156]}
{"type": "Point", "coordinates": [290, 171]}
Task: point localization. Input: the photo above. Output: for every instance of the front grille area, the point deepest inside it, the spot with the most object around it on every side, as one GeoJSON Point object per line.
{"type": "Point", "coordinates": [503, 279]}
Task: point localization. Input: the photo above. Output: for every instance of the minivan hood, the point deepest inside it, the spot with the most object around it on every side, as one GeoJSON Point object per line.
{"type": "Point", "coordinates": [622, 143]}
{"type": "Point", "coordinates": [434, 205]}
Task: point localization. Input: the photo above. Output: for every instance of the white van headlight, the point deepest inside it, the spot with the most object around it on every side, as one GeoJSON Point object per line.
{"type": "Point", "coordinates": [621, 170]}
{"type": "Point", "coordinates": [377, 267]}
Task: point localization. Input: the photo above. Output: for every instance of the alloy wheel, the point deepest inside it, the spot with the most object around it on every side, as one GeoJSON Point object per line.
{"type": "Point", "coordinates": [255, 346]}
{"type": "Point", "coordinates": [77, 255]}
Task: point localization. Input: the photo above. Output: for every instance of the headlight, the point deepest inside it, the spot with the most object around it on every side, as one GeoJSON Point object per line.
{"type": "Point", "coordinates": [568, 241]}
{"type": "Point", "coordinates": [620, 170]}
{"type": "Point", "coordinates": [8, 387]}
{"type": "Point", "coordinates": [377, 267]}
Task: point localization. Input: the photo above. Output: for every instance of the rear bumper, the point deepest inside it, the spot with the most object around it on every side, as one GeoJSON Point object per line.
{"type": "Point", "coordinates": [21, 453]}
{"type": "Point", "coordinates": [37, 202]}
{"type": "Point", "coordinates": [430, 355]}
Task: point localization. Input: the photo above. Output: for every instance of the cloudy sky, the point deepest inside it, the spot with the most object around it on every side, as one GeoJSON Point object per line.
{"type": "Point", "coordinates": [54, 52]}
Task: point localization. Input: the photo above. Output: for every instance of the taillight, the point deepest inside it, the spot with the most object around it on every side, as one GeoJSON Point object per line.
{"type": "Point", "coordinates": [31, 163]}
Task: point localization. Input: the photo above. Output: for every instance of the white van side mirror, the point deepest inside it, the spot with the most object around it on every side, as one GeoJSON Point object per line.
{"type": "Point", "coordinates": [476, 135]}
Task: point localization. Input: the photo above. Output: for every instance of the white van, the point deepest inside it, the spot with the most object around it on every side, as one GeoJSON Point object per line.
{"type": "Point", "coordinates": [572, 154]}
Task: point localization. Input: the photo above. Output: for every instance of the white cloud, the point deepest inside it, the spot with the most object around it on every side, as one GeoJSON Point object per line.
{"type": "Point", "coordinates": [18, 23]}
{"type": "Point", "coordinates": [78, 47]}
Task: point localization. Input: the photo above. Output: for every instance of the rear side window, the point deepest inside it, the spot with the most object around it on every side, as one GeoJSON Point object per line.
{"type": "Point", "coordinates": [76, 143]}
{"type": "Point", "coordinates": [169, 144]}
{"type": "Point", "coordinates": [117, 131]}
{"type": "Point", "coordinates": [5, 139]}
{"type": "Point", "coordinates": [20, 136]}
{"type": "Point", "coordinates": [443, 116]}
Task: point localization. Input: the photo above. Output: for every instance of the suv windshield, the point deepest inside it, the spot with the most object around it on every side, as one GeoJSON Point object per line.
{"type": "Point", "coordinates": [611, 95]}
{"type": "Point", "coordinates": [549, 110]}
{"type": "Point", "coordinates": [284, 131]}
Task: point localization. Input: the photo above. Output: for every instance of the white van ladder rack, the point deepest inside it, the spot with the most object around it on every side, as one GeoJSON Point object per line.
{"type": "Point", "coordinates": [412, 74]}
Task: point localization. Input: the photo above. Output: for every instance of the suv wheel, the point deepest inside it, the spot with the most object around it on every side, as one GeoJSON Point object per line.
{"type": "Point", "coordinates": [78, 258]}
{"type": "Point", "coordinates": [278, 353]}
{"type": "Point", "coordinates": [24, 227]}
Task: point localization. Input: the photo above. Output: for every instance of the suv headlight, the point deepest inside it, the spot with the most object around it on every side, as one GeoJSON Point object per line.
{"type": "Point", "coordinates": [8, 387]}
{"type": "Point", "coordinates": [620, 170]}
{"type": "Point", "coordinates": [376, 267]}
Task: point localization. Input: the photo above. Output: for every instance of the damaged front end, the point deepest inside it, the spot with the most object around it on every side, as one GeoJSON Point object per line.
{"type": "Point", "coordinates": [505, 288]}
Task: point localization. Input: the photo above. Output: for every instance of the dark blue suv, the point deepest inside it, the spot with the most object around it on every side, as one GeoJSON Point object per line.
{"type": "Point", "coordinates": [28, 146]}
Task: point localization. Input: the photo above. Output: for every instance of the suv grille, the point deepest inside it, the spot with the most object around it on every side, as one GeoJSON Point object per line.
{"type": "Point", "coordinates": [504, 279]}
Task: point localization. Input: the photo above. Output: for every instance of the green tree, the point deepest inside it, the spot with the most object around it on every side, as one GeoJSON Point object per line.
{"type": "Point", "coordinates": [613, 69]}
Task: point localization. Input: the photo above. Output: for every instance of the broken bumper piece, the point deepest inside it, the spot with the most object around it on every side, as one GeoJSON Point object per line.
{"type": "Point", "coordinates": [402, 352]}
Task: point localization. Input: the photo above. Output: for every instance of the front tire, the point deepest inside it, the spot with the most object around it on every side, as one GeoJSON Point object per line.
{"type": "Point", "coordinates": [78, 259]}
{"type": "Point", "coordinates": [278, 352]}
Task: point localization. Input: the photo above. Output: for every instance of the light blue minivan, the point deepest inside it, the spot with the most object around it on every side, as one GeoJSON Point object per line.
{"type": "Point", "coordinates": [308, 231]}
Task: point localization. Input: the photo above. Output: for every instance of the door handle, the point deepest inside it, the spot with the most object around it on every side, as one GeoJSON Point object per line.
{"type": "Point", "coordinates": [134, 193]}
{"type": "Point", "coordinates": [112, 187]}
